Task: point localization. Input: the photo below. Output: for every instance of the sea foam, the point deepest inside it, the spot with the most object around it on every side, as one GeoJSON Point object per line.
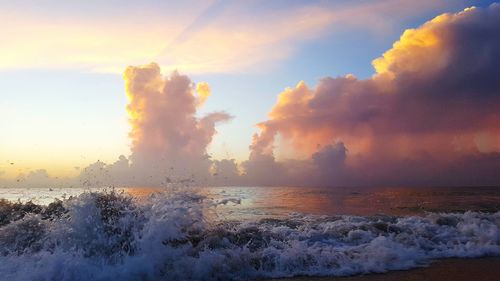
{"type": "Point", "coordinates": [177, 236]}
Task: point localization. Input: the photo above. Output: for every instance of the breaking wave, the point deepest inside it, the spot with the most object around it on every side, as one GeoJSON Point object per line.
{"type": "Point", "coordinates": [109, 235]}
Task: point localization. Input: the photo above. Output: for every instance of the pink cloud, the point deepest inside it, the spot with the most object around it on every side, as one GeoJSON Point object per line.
{"type": "Point", "coordinates": [430, 111]}
{"type": "Point", "coordinates": [168, 140]}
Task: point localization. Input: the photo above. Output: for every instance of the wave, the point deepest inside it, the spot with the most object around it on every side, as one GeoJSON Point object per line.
{"type": "Point", "coordinates": [109, 235]}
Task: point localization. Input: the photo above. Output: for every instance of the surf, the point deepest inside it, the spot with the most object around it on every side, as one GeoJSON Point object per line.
{"type": "Point", "coordinates": [178, 235]}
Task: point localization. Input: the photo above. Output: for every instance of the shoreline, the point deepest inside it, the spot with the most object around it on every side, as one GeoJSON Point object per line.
{"type": "Point", "coordinates": [453, 269]}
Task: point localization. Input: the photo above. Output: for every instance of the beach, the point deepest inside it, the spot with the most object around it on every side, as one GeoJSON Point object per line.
{"type": "Point", "coordinates": [483, 269]}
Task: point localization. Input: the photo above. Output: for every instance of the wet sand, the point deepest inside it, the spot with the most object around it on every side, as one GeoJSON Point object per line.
{"type": "Point", "coordinates": [483, 269]}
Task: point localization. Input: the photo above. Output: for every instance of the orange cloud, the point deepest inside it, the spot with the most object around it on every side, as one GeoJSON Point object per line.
{"type": "Point", "coordinates": [203, 91]}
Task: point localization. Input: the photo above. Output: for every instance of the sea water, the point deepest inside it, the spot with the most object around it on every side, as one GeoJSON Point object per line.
{"type": "Point", "coordinates": [239, 233]}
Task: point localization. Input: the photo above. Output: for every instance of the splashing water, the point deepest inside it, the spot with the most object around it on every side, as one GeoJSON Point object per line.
{"type": "Point", "coordinates": [109, 235]}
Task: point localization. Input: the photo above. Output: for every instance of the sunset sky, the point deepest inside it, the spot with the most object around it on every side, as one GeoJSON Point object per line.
{"type": "Point", "coordinates": [287, 83]}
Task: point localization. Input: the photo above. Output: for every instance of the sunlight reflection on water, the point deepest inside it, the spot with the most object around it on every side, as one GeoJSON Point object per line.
{"type": "Point", "coordinates": [256, 202]}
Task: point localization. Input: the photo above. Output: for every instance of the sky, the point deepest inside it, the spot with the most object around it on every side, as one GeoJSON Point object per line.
{"type": "Point", "coordinates": [199, 83]}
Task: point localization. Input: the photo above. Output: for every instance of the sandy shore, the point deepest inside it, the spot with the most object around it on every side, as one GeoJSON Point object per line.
{"type": "Point", "coordinates": [484, 269]}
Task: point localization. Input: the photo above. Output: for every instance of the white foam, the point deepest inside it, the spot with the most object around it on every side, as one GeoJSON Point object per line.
{"type": "Point", "coordinates": [171, 237]}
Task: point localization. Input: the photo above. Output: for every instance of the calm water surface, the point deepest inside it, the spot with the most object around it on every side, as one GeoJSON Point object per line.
{"type": "Point", "coordinates": [257, 202]}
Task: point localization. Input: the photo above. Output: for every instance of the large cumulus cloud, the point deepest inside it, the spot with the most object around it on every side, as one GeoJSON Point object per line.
{"type": "Point", "coordinates": [429, 115]}
{"type": "Point", "coordinates": [165, 130]}
{"type": "Point", "coordinates": [168, 140]}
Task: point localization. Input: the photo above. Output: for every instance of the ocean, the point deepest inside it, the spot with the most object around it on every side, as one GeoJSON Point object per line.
{"type": "Point", "coordinates": [239, 233]}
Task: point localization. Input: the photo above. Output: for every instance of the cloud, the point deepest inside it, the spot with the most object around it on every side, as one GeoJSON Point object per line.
{"type": "Point", "coordinates": [330, 162]}
{"type": "Point", "coordinates": [38, 179]}
{"type": "Point", "coordinates": [203, 91]}
{"type": "Point", "coordinates": [241, 36]}
{"type": "Point", "coordinates": [430, 111]}
{"type": "Point", "coordinates": [192, 36]}
{"type": "Point", "coordinates": [429, 115]}
{"type": "Point", "coordinates": [225, 172]}
{"type": "Point", "coordinates": [168, 140]}
{"type": "Point", "coordinates": [415, 122]}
